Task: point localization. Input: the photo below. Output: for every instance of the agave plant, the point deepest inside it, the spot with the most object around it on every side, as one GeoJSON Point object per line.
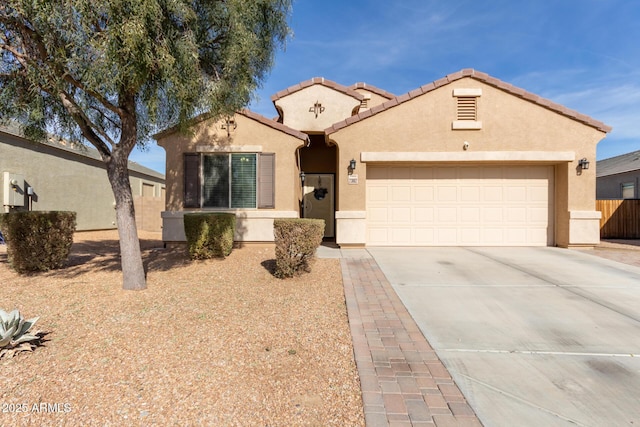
{"type": "Point", "coordinates": [14, 336]}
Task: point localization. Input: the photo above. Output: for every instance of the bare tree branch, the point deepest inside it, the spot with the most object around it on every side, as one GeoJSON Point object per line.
{"type": "Point", "coordinates": [87, 127]}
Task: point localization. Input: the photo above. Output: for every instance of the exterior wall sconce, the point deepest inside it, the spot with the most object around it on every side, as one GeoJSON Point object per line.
{"type": "Point", "coordinates": [352, 167]}
{"type": "Point", "coordinates": [229, 125]}
{"type": "Point", "coordinates": [583, 163]}
{"type": "Point", "coordinates": [302, 177]}
{"type": "Point", "coordinates": [317, 109]}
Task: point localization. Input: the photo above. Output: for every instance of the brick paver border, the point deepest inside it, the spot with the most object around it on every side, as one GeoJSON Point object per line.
{"type": "Point", "coordinates": [403, 381]}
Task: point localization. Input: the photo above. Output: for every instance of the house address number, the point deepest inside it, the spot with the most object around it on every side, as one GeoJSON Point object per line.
{"type": "Point", "coordinates": [353, 179]}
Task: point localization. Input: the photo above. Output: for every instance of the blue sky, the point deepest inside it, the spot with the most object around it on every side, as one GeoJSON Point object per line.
{"type": "Point", "coordinates": [584, 54]}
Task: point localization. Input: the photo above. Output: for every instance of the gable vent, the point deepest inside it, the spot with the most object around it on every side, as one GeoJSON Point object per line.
{"type": "Point", "coordinates": [364, 104]}
{"type": "Point", "coordinates": [467, 108]}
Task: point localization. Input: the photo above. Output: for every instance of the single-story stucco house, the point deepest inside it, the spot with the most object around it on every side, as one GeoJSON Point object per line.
{"type": "Point", "coordinates": [465, 160]}
{"type": "Point", "coordinates": [58, 175]}
{"type": "Point", "coordinates": [618, 177]}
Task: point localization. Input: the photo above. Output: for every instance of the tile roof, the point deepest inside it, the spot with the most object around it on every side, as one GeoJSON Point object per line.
{"type": "Point", "coordinates": [274, 124]}
{"type": "Point", "coordinates": [372, 89]}
{"type": "Point", "coordinates": [315, 81]}
{"type": "Point", "coordinates": [482, 77]}
{"type": "Point", "coordinates": [619, 164]}
{"type": "Point", "coordinates": [247, 113]}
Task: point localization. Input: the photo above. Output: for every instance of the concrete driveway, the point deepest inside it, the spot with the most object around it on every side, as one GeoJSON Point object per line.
{"type": "Point", "coordinates": [532, 336]}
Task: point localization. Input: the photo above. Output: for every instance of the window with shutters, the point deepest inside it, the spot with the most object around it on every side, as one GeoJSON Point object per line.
{"type": "Point", "coordinates": [229, 180]}
{"type": "Point", "coordinates": [466, 109]}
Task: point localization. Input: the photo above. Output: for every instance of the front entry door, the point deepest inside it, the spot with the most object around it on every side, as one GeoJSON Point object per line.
{"type": "Point", "coordinates": [318, 200]}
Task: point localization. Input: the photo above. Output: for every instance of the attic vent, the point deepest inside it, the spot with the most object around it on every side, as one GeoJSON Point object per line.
{"type": "Point", "coordinates": [467, 109]}
{"type": "Point", "coordinates": [364, 104]}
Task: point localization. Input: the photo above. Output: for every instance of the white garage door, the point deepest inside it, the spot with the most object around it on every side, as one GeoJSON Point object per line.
{"type": "Point", "coordinates": [459, 206]}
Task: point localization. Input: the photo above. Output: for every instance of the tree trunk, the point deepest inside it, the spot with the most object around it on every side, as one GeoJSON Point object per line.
{"type": "Point", "coordinates": [133, 274]}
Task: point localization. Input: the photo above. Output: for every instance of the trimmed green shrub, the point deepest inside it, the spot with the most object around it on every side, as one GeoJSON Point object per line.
{"type": "Point", "coordinates": [38, 241]}
{"type": "Point", "coordinates": [296, 242]}
{"type": "Point", "coordinates": [209, 234]}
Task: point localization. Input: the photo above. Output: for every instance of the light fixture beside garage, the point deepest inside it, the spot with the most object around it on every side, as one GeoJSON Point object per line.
{"type": "Point", "coordinates": [352, 165]}
{"type": "Point", "coordinates": [583, 163]}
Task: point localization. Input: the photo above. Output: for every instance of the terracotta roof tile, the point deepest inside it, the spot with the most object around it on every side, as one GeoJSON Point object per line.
{"type": "Point", "coordinates": [247, 113]}
{"type": "Point", "coordinates": [416, 92]}
{"type": "Point", "coordinates": [318, 80]}
{"type": "Point", "coordinates": [372, 89]}
{"type": "Point", "coordinates": [274, 124]}
{"type": "Point", "coordinates": [441, 82]}
{"type": "Point", "coordinates": [403, 98]}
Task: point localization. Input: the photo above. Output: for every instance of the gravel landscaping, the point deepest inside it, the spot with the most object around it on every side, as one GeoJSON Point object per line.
{"type": "Point", "coordinates": [216, 342]}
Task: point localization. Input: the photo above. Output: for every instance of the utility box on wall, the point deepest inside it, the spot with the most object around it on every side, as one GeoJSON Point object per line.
{"type": "Point", "coordinates": [13, 190]}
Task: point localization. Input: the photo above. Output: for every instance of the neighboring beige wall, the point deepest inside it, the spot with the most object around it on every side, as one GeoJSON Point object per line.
{"type": "Point", "coordinates": [509, 123]}
{"type": "Point", "coordinates": [64, 180]}
{"type": "Point", "coordinates": [295, 108]}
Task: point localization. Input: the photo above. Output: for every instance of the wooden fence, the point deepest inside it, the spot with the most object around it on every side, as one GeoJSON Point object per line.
{"type": "Point", "coordinates": [620, 218]}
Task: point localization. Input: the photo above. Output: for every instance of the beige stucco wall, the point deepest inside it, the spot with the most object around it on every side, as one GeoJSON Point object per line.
{"type": "Point", "coordinates": [509, 123]}
{"type": "Point", "coordinates": [64, 180]}
{"type": "Point", "coordinates": [296, 114]}
{"type": "Point", "coordinates": [254, 225]}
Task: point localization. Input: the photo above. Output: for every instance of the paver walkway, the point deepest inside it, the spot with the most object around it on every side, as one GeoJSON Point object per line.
{"type": "Point", "coordinates": [403, 381]}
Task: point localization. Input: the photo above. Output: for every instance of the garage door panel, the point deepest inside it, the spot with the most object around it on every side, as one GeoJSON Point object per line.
{"type": "Point", "coordinates": [447, 236]}
{"type": "Point", "coordinates": [400, 236]}
{"type": "Point", "coordinates": [538, 215]}
{"type": "Point", "coordinates": [447, 193]}
{"type": "Point", "coordinates": [538, 194]}
{"type": "Point", "coordinates": [537, 234]}
{"type": "Point", "coordinates": [516, 193]}
{"type": "Point", "coordinates": [492, 214]}
{"type": "Point", "coordinates": [423, 193]}
{"type": "Point", "coordinates": [401, 193]}
{"type": "Point", "coordinates": [492, 194]}
{"type": "Point", "coordinates": [470, 194]}
{"type": "Point", "coordinates": [423, 214]}
{"type": "Point", "coordinates": [469, 236]}
{"type": "Point", "coordinates": [377, 194]}
{"type": "Point", "coordinates": [424, 236]}
{"type": "Point", "coordinates": [470, 215]}
{"type": "Point", "coordinates": [377, 236]}
{"type": "Point", "coordinates": [515, 236]}
{"type": "Point", "coordinates": [492, 236]}
{"type": "Point", "coordinates": [401, 216]}
{"type": "Point", "coordinates": [378, 215]}
{"type": "Point", "coordinates": [516, 215]}
{"type": "Point", "coordinates": [447, 214]}
{"type": "Point", "coordinates": [443, 205]}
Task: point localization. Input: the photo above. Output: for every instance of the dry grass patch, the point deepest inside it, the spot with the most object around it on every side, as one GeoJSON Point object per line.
{"type": "Point", "coordinates": [217, 342]}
